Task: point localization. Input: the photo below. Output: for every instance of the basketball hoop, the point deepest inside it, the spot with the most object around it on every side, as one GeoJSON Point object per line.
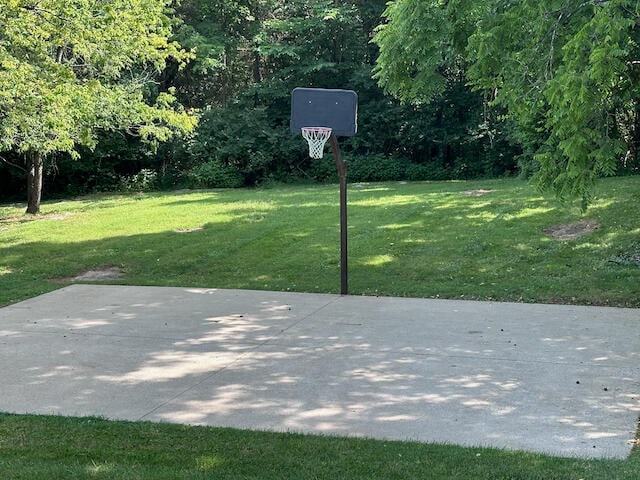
{"type": "Point", "coordinates": [337, 111]}
{"type": "Point", "coordinates": [316, 137]}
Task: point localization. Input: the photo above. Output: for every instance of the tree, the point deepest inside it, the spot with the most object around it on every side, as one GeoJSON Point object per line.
{"type": "Point", "coordinates": [70, 69]}
{"type": "Point", "coordinates": [566, 71]}
{"type": "Point", "coordinates": [423, 46]}
{"type": "Point", "coordinates": [224, 36]}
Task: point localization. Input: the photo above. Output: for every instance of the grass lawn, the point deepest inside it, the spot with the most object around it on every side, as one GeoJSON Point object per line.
{"type": "Point", "coordinates": [415, 239]}
{"type": "Point", "coordinates": [41, 447]}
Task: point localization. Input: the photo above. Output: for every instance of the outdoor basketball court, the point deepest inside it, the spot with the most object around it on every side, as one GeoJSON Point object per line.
{"type": "Point", "coordinates": [544, 378]}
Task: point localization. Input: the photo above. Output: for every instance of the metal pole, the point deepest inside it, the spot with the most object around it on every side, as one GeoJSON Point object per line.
{"type": "Point", "coordinates": [342, 174]}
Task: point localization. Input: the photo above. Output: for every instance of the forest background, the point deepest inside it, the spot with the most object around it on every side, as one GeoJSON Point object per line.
{"type": "Point", "coordinates": [249, 55]}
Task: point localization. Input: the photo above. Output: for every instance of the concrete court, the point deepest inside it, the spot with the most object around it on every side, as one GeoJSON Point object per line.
{"type": "Point", "coordinates": [544, 378]}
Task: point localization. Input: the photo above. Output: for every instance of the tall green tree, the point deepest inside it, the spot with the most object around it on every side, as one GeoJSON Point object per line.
{"type": "Point", "coordinates": [567, 72]}
{"type": "Point", "coordinates": [70, 69]}
{"type": "Point", "coordinates": [224, 35]}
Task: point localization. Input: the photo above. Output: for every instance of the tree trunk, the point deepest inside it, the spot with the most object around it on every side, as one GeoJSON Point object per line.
{"type": "Point", "coordinates": [34, 182]}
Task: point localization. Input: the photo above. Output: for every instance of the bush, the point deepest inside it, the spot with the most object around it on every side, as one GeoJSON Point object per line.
{"type": "Point", "coordinates": [323, 170]}
{"type": "Point", "coordinates": [381, 168]}
{"type": "Point", "coordinates": [214, 174]}
{"type": "Point", "coordinates": [376, 168]}
{"type": "Point", "coordinates": [146, 180]}
{"type": "Point", "coordinates": [433, 171]}
{"type": "Point", "coordinates": [528, 166]}
{"type": "Point", "coordinates": [233, 139]}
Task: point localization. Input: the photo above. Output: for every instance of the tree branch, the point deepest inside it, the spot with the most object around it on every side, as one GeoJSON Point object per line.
{"type": "Point", "coordinates": [19, 167]}
{"type": "Point", "coordinates": [41, 12]}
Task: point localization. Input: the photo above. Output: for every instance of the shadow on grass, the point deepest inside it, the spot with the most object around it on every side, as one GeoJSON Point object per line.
{"type": "Point", "coordinates": [422, 240]}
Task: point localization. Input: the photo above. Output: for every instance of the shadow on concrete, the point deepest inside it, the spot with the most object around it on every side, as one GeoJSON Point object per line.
{"type": "Point", "coordinates": [554, 379]}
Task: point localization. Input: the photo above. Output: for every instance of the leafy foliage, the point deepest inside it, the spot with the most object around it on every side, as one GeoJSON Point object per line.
{"type": "Point", "coordinates": [248, 56]}
{"type": "Point", "coordinates": [242, 139]}
{"type": "Point", "coordinates": [144, 181]}
{"type": "Point", "coordinates": [566, 73]}
{"type": "Point", "coordinates": [215, 174]}
{"type": "Point", "coordinates": [69, 69]}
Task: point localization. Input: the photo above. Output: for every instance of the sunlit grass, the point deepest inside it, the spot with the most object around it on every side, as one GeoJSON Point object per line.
{"type": "Point", "coordinates": [378, 260]}
{"type": "Point", "coordinates": [529, 212]}
{"type": "Point", "coordinates": [429, 239]}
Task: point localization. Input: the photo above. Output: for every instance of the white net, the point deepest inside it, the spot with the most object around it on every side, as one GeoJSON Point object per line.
{"type": "Point", "coordinates": [316, 137]}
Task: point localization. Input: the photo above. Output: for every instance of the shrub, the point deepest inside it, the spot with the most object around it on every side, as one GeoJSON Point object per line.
{"type": "Point", "coordinates": [214, 174]}
{"type": "Point", "coordinates": [528, 166]}
{"type": "Point", "coordinates": [145, 180]}
{"type": "Point", "coordinates": [382, 168]}
{"type": "Point", "coordinates": [432, 171]}
{"type": "Point", "coordinates": [234, 138]}
{"type": "Point", "coordinates": [323, 170]}
{"type": "Point", "coordinates": [376, 168]}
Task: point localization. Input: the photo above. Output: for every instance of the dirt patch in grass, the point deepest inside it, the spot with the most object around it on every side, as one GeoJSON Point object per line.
{"type": "Point", "coordinates": [571, 231]}
{"type": "Point", "coordinates": [188, 230]}
{"type": "Point", "coordinates": [99, 274]}
{"type": "Point", "coordinates": [475, 193]}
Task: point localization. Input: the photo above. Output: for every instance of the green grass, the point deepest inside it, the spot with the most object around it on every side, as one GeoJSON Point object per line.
{"type": "Point", "coordinates": [416, 239]}
{"type": "Point", "coordinates": [43, 447]}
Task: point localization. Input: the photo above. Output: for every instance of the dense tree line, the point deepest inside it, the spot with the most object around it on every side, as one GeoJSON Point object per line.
{"type": "Point", "coordinates": [461, 90]}
{"type": "Point", "coordinates": [247, 57]}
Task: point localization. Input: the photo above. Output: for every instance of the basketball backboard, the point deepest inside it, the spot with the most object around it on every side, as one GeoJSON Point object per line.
{"type": "Point", "coordinates": [322, 107]}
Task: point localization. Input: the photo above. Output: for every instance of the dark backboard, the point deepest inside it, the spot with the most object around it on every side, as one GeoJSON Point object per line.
{"type": "Point", "coordinates": [321, 107]}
